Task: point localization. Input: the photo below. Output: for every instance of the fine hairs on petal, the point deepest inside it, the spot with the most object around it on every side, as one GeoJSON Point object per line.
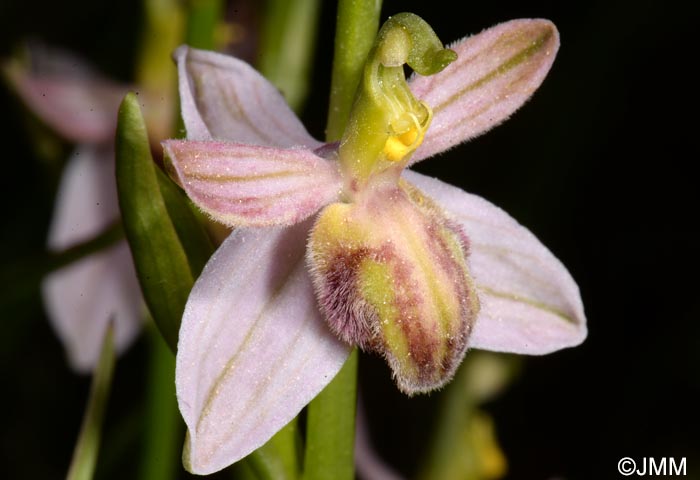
{"type": "Point", "coordinates": [495, 73]}
{"type": "Point", "coordinates": [248, 185]}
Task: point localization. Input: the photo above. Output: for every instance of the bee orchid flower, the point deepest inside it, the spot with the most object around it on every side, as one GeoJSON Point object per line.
{"type": "Point", "coordinates": [337, 245]}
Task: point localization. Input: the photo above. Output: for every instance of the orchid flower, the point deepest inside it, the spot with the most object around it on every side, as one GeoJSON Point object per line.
{"type": "Point", "coordinates": [339, 245]}
{"type": "Point", "coordinates": [83, 297]}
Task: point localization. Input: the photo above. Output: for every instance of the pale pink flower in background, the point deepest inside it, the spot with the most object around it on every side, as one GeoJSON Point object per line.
{"type": "Point", "coordinates": [82, 298]}
{"type": "Point", "coordinates": [255, 344]}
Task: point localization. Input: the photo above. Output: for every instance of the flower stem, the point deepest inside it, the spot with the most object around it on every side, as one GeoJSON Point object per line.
{"type": "Point", "coordinates": [278, 458]}
{"type": "Point", "coordinates": [84, 460]}
{"type": "Point", "coordinates": [356, 28]}
{"type": "Point", "coordinates": [202, 21]}
{"type": "Point", "coordinates": [162, 33]}
{"type": "Point", "coordinates": [163, 435]}
{"type": "Point", "coordinates": [287, 45]}
{"type": "Point", "coordinates": [330, 428]}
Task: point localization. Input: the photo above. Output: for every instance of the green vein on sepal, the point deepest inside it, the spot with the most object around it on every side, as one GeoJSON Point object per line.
{"type": "Point", "coordinates": [531, 302]}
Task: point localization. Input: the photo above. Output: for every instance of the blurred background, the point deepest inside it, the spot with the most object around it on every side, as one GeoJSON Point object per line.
{"type": "Point", "coordinates": [597, 165]}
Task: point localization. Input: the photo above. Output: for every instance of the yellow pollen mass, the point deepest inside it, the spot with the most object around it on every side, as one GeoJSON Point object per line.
{"type": "Point", "coordinates": [402, 143]}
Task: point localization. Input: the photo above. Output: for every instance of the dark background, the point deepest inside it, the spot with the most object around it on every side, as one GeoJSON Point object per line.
{"type": "Point", "coordinates": [597, 165]}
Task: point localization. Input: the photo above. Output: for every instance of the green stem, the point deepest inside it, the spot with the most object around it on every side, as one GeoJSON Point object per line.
{"type": "Point", "coordinates": [356, 28]}
{"type": "Point", "coordinates": [202, 22]}
{"type": "Point", "coordinates": [106, 238]}
{"type": "Point", "coordinates": [330, 428]}
{"type": "Point", "coordinates": [287, 45]}
{"type": "Point", "coordinates": [22, 277]}
{"type": "Point", "coordinates": [278, 458]}
{"type": "Point", "coordinates": [163, 435]}
{"type": "Point", "coordinates": [162, 33]}
{"type": "Point", "coordinates": [85, 454]}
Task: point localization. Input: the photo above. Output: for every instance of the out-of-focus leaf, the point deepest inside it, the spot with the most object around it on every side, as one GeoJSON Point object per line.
{"type": "Point", "coordinates": [82, 466]}
{"type": "Point", "coordinates": [464, 443]}
{"type": "Point", "coordinates": [161, 262]}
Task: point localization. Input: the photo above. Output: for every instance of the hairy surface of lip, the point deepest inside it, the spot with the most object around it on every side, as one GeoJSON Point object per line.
{"type": "Point", "coordinates": [391, 276]}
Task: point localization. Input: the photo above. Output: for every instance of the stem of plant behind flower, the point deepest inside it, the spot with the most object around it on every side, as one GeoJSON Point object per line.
{"type": "Point", "coordinates": [330, 430]}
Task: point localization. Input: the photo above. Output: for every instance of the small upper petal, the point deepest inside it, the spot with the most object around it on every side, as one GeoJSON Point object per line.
{"type": "Point", "coordinates": [225, 98]}
{"type": "Point", "coordinates": [253, 348]}
{"type": "Point", "coordinates": [529, 302]}
{"type": "Point", "coordinates": [248, 185]}
{"type": "Point", "coordinates": [496, 71]}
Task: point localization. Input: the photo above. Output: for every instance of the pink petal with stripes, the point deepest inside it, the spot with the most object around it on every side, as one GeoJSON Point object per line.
{"type": "Point", "coordinates": [495, 72]}
{"type": "Point", "coordinates": [530, 304]}
{"type": "Point", "coordinates": [253, 347]}
{"type": "Point", "coordinates": [244, 185]}
{"type": "Point", "coordinates": [225, 98]}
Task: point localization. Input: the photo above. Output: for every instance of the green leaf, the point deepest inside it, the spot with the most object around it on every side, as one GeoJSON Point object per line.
{"type": "Point", "coordinates": [84, 459]}
{"type": "Point", "coordinates": [161, 263]}
{"type": "Point", "coordinates": [330, 427]}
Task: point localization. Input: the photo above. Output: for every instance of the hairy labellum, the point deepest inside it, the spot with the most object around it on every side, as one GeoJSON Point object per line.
{"type": "Point", "coordinates": [390, 272]}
